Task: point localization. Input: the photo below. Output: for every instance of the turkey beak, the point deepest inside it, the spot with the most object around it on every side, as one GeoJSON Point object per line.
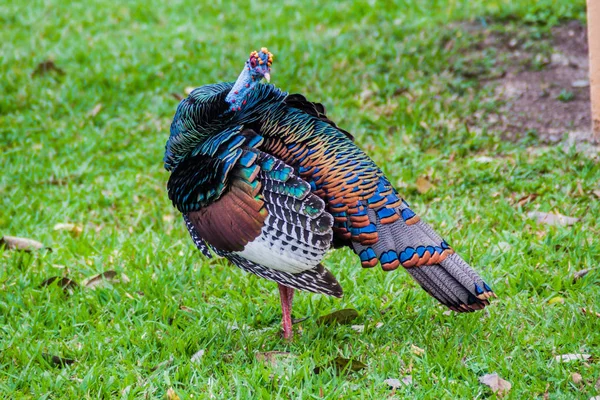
{"type": "Point", "coordinates": [267, 76]}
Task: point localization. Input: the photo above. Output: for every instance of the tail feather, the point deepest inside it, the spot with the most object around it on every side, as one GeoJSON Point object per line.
{"type": "Point", "coordinates": [410, 242]}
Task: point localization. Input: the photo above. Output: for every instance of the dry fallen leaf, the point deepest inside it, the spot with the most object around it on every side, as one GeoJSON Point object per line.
{"type": "Point", "coordinates": [572, 357]}
{"type": "Point", "coordinates": [483, 159]}
{"type": "Point", "coordinates": [47, 66]}
{"type": "Point", "coordinates": [197, 356]}
{"type": "Point", "coordinates": [274, 358]}
{"type": "Point", "coordinates": [61, 281]}
{"type": "Point", "coordinates": [108, 276]}
{"type": "Point", "coordinates": [94, 111]}
{"type": "Point", "coordinates": [393, 383]}
{"type": "Point", "coordinates": [423, 185]}
{"type": "Point", "coordinates": [68, 227]}
{"type": "Point", "coordinates": [344, 316]}
{"type": "Point", "coordinates": [417, 350]}
{"type": "Point", "coordinates": [58, 361]}
{"type": "Point", "coordinates": [342, 364]}
{"type": "Point", "coordinates": [163, 364]}
{"type": "Point", "coordinates": [580, 274]}
{"type": "Point", "coordinates": [526, 199]}
{"type": "Point", "coordinates": [177, 96]}
{"type": "Point", "coordinates": [497, 384]}
{"type": "Point", "coordinates": [597, 385]}
{"type": "Point", "coordinates": [358, 328]}
{"type": "Point", "coordinates": [586, 312]}
{"type": "Point", "coordinates": [298, 320]}
{"type": "Point", "coordinates": [19, 243]}
{"type": "Point", "coordinates": [396, 383]}
{"type": "Point", "coordinates": [597, 193]}
{"type": "Point", "coordinates": [171, 395]}
{"type": "Point", "coordinates": [577, 378]}
{"type": "Point", "coordinates": [552, 219]}
{"type": "Point", "coordinates": [580, 83]}
{"type": "Point", "coordinates": [188, 90]}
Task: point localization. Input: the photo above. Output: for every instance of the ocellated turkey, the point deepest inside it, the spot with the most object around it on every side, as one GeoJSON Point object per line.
{"type": "Point", "coordinates": [265, 179]}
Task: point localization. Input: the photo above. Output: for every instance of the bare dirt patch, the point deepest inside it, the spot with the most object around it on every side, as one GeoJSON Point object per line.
{"type": "Point", "coordinates": [545, 93]}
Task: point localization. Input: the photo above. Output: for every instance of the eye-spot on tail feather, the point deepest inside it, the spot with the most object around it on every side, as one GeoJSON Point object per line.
{"type": "Point", "coordinates": [409, 242]}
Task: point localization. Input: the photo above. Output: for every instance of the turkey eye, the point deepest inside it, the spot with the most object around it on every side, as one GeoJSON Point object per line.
{"type": "Point", "coordinates": [253, 62]}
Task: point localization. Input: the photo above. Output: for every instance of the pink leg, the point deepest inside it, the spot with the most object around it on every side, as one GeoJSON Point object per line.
{"type": "Point", "coordinates": [287, 295]}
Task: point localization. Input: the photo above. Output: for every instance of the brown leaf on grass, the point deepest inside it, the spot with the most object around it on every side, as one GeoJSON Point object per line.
{"type": "Point", "coordinates": [188, 90]}
{"type": "Point", "coordinates": [125, 278]}
{"type": "Point", "coordinates": [70, 227]}
{"type": "Point", "coordinates": [47, 66]}
{"type": "Point", "coordinates": [588, 312]}
{"type": "Point", "coordinates": [298, 320]}
{"type": "Point", "coordinates": [177, 96]}
{"type": "Point", "coordinates": [597, 385]}
{"type": "Point", "coordinates": [58, 361]}
{"type": "Point", "coordinates": [423, 185]}
{"type": "Point", "coordinates": [597, 193]}
{"type": "Point", "coordinates": [417, 350]}
{"type": "Point", "coordinates": [171, 395]}
{"type": "Point", "coordinates": [527, 199]}
{"type": "Point", "coordinates": [552, 219]}
{"type": "Point", "coordinates": [577, 378]}
{"type": "Point", "coordinates": [483, 159]}
{"type": "Point", "coordinates": [94, 111]}
{"type": "Point", "coordinates": [342, 364]}
{"type": "Point", "coordinates": [393, 383]}
{"type": "Point", "coordinates": [571, 357]}
{"type": "Point", "coordinates": [197, 356]}
{"type": "Point", "coordinates": [581, 83]}
{"type": "Point", "coordinates": [96, 280]}
{"type": "Point", "coordinates": [580, 274]}
{"type": "Point", "coordinates": [396, 383]}
{"type": "Point", "coordinates": [497, 384]}
{"type": "Point", "coordinates": [61, 281]}
{"type": "Point", "coordinates": [163, 364]}
{"type": "Point", "coordinates": [19, 243]}
{"type": "Point", "coordinates": [342, 317]}
{"type": "Point", "coordinates": [274, 358]}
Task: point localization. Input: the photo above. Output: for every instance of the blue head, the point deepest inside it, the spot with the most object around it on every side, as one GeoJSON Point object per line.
{"type": "Point", "coordinates": [259, 64]}
{"type": "Point", "coordinates": [257, 67]}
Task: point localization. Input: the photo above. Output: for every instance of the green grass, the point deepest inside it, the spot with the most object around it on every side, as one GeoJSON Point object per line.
{"type": "Point", "coordinates": [384, 73]}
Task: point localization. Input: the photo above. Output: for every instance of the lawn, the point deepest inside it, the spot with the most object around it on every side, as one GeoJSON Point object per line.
{"type": "Point", "coordinates": [82, 140]}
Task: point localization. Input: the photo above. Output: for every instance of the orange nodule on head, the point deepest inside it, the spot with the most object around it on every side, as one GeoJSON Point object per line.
{"type": "Point", "coordinates": [266, 56]}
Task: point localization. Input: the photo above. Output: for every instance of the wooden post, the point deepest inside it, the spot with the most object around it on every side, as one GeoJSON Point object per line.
{"type": "Point", "coordinates": [593, 23]}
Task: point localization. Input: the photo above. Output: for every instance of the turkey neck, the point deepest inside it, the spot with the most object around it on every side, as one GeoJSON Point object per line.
{"type": "Point", "coordinates": [241, 89]}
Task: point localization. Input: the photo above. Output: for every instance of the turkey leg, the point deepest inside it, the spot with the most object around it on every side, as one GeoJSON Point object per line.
{"type": "Point", "coordinates": [287, 295]}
